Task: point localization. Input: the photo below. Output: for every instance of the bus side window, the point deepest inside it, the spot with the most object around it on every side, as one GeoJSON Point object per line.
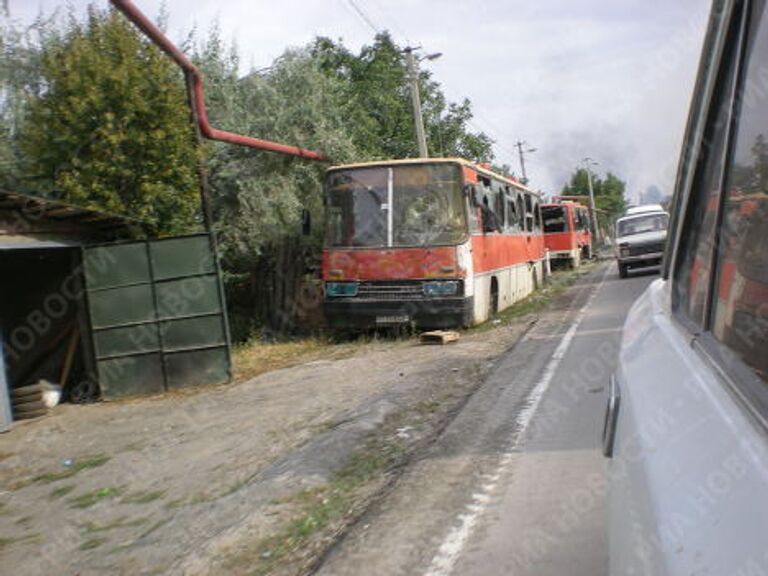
{"type": "Point", "coordinates": [498, 207]}
{"type": "Point", "coordinates": [473, 209]}
{"type": "Point", "coordinates": [537, 217]}
{"type": "Point", "coordinates": [512, 216]}
{"type": "Point", "coordinates": [521, 212]}
{"type": "Point", "coordinates": [528, 213]}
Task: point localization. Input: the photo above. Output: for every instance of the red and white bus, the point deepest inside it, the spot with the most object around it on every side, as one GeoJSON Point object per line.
{"type": "Point", "coordinates": [427, 242]}
{"type": "Point", "coordinates": [567, 233]}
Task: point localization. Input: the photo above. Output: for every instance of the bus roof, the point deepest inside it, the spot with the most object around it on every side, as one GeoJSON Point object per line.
{"type": "Point", "coordinates": [564, 203]}
{"type": "Point", "coordinates": [460, 161]}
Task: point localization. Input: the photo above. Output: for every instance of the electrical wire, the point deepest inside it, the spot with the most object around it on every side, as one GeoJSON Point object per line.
{"type": "Point", "coordinates": [363, 16]}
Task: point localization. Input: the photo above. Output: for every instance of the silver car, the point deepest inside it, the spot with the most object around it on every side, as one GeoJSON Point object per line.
{"type": "Point", "coordinates": [687, 419]}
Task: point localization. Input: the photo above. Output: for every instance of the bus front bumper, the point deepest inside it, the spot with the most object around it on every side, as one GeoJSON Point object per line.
{"type": "Point", "coordinates": [352, 313]}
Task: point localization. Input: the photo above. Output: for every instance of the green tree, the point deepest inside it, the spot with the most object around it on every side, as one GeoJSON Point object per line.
{"type": "Point", "coordinates": [20, 81]}
{"type": "Point", "coordinates": [376, 82]}
{"type": "Point", "coordinates": [111, 128]}
{"type": "Point", "coordinates": [608, 192]}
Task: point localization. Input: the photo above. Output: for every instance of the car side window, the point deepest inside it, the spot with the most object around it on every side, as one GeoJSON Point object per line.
{"type": "Point", "coordinates": [740, 296]}
{"type": "Point", "coordinates": [693, 267]}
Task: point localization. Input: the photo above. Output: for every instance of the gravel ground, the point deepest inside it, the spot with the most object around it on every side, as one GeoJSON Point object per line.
{"type": "Point", "coordinates": [188, 483]}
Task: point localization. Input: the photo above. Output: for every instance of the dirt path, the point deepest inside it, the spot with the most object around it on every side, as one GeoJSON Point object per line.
{"type": "Point", "coordinates": [198, 483]}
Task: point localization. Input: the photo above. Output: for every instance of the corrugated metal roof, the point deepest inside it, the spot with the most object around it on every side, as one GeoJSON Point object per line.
{"type": "Point", "coordinates": [35, 209]}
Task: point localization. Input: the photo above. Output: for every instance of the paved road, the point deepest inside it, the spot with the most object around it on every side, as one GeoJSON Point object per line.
{"type": "Point", "coordinates": [516, 484]}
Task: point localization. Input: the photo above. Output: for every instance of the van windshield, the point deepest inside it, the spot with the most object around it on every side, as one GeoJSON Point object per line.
{"type": "Point", "coordinates": [642, 224]}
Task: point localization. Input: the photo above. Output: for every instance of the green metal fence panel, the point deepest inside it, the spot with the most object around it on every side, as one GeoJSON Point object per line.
{"type": "Point", "coordinates": [178, 257]}
{"type": "Point", "coordinates": [117, 265]}
{"type": "Point", "coordinates": [131, 376]}
{"type": "Point", "coordinates": [192, 296]}
{"type": "Point", "coordinates": [127, 340]}
{"type": "Point", "coordinates": [158, 315]}
{"type": "Point", "coordinates": [193, 333]}
{"type": "Point", "coordinates": [197, 367]}
{"type": "Point", "coordinates": [119, 306]}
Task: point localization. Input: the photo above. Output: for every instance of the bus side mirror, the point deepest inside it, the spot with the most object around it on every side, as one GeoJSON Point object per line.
{"type": "Point", "coordinates": [306, 222]}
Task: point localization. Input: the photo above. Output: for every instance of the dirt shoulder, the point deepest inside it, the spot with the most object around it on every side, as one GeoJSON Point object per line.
{"type": "Point", "coordinates": [255, 477]}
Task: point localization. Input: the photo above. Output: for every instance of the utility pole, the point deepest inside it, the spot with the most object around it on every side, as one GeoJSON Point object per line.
{"type": "Point", "coordinates": [412, 66]}
{"type": "Point", "coordinates": [521, 152]}
{"type": "Point", "coordinates": [588, 163]}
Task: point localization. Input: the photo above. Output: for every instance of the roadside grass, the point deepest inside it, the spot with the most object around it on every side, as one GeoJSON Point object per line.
{"type": "Point", "coordinates": [90, 498]}
{"type": "Point", "coordinates": [156, 526]}
{"type": "Point", "coordinates": [142, 497]}
{"type": "Point", "coordinates": [79, 465]}
{"type": "Point", "coordinates": [26, 539]}
{"type": "Point", "coordinates": [122, 522]}
{"type": "Point", "coordinates": [536, 301]}
{"type": "Point", "coordinates": [321, 507]}
{"type": "Point", "coordinates": [255, 357]}
{"type": "Point", "coordinates": [61, 491]}
{"type": "Point", "coordinates": [92, 543]}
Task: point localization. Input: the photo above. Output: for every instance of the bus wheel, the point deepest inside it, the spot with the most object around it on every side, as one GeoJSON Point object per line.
{"type": "Point", "coordinates": [493, 307]}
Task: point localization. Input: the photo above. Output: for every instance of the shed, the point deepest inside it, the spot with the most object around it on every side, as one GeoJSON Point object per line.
{"type": "Point", "coordinates": [94, 303]}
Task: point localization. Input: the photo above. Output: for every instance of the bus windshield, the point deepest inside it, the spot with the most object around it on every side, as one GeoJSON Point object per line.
{"type": "Point", "coordinates": [555, 219]}
{"type": "Point", "coordinates": [427, 206]}
{"type": "Point", "coordinates": [641, 224]}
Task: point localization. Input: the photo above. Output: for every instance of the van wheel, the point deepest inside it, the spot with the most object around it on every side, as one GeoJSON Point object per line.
{"type": "Point", "coordinates": [623, 271]}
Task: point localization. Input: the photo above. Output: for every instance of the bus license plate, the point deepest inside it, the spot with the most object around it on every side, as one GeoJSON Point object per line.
{"type": "Point", "coordinates": [393, 319]}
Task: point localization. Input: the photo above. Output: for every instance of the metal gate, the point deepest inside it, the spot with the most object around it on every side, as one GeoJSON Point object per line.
{"type": "Point", "coordinates": [157, 315]}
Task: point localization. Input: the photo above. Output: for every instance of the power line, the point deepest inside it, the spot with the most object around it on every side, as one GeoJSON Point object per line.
{"type": "Point", "coordinates": [363, 16]}
{"type": "Point", "coordinates": [392, 20]}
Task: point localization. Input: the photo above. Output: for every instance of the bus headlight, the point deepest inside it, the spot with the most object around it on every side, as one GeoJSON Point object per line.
{"type": "Point", "coordinates": [340, 289]}
{"type": "Point", "coordinates": [450, 288]}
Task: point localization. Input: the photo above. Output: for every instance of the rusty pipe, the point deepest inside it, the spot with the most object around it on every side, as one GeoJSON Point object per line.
{"type": "Point", "coordinates": [194, 76]}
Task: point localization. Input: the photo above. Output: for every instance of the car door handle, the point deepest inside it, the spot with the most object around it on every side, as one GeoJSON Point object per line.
{"type": "Point", "coordinates": [611, 416]}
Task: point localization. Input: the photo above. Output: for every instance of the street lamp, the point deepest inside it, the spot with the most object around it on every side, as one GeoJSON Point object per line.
{"type": "Point", "coordinates": [588, 163]}
{"type": "Point", "coordinates": [521, 152]}
{"type": "Point", "coordinates": [412, 64]}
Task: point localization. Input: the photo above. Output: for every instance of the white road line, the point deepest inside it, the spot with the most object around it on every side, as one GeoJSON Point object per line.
{"type": "Point", "coordinates": [457, 538]}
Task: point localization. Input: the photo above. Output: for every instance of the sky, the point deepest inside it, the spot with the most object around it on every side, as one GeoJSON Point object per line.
{"type": "Point", "coordinates": [605, 79]}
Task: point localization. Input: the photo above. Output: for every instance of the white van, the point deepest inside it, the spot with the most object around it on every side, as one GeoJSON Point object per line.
{"type": "Point", "coordinates": [687, 418]}
{"type": "Point", "coordinates": [641, 235]}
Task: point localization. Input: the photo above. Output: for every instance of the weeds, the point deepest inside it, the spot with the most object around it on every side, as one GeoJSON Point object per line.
{"type": "Point", "coordinates": [77, 466]}
{"type": "Point", "coordinates": [61, 491]}
{"type": "Point", "coordinates": [27, 539]}
{"type": "Point", "coordinates": [143, 497]}
{"type": "Point", "coordinates": [122, 522]}
{"type": "Point", "coordinates": [90, 498]}
{"type": "Point", "coordinates": [92, 543]}
{"type": "Point", "coordinates": [321, 507]}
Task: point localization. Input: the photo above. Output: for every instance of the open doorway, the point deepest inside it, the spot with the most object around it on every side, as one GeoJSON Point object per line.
{"type": "Point", "coordinates": [44, 323]}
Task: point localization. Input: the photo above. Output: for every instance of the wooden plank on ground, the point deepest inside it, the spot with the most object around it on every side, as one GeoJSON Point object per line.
{"type": "Point", "coordinates": [439, 337]}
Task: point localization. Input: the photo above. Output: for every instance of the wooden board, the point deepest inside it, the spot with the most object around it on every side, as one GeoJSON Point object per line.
{"type": "Point", "coordinates": [439, 337]}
